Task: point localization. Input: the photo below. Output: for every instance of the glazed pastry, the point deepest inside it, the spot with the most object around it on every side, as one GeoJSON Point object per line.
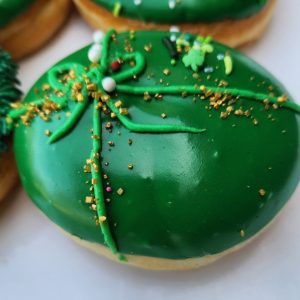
{"type": "Point", "coordinates": [166, 151]}
{"type": "Point", "coordinates": [26, 25]}
{"type": "Point", "coordinates": [9, 93]}
{"type": "Point", "coordinates": [232, 22]}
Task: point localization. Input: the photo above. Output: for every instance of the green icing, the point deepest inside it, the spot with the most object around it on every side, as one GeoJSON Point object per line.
{"type": "Point", "coordinates": [188, 194]}
{"type": "Point", "coordinates": [10, 9]}
{"type": "Point", "coordinates": [8, 91]}
{"type": "Point", "coordinates": [159, 11]}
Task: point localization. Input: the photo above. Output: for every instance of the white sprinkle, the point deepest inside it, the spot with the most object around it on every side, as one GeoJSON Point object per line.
{"type": "Point", "coordinates": [174, 29]}
{"type": "Point", "coordinates": [173, 38]}
{"type": "Point", "coordinates": [108, 84]}
{"type": "Point", "coordinates": [137, 2]}
{"type": "Point", "coordinates": [172, 4]}
{"type": "Point", "coordinates": [208, 70]}
{"type": "Point", "coordinates": [94, 53]}
{"type": "Point", "coordinates": [98, 36]}
{"type": "Point", "coordinates": [220, 56]}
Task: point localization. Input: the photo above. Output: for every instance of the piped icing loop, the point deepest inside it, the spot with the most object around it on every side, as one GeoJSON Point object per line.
{"type": "Point", "coordinates": [97, 84]}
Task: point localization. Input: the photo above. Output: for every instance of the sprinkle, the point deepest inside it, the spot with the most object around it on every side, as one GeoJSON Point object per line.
{"type": "Point", "coordinates": [94, 53]}
{"type": "Point", "coordinates": [208, 70]}
{"type": "Point", "coordinates": [255, 122]}
{"type": "Point", "coordinates": [172, 4]}
{"type": "Point", "coordinates": [147, 96]}
{"type": "Point", "coordinates": [220, 56]}
{"type": "Point", "coordinates": [120, 191]}
{"type": "Point", "coordinates": [102, 219]}
{"type": "Point", "coordinates": [118, 104]}
{"type": "Point", "coordinates": [163, 115]}
{"type": "Point", "coordinates": [166, 72]}
{"type": "Point", "coordinates": [148, 48]}
{"type": "Point", "coordinates": [262, 192]}
{"type": "Point", "coordinates": [108, 189]}
{"type": "Point", "coordinates": [130, 166]}
{"type": "Point", "coordinates": [46, 87]}
{"type": "Point", "coordinates": [109, 84]}
{"type": "Point", "coordinates": [228, 64]}
{"type": "Point", "coordinates": [137, 2]}
{"type": "Point", "coordinates": [129, 141]}
{"type": "Point", "coordinates": [89, 199]}
{"type": "Point", "coordinates": [174, 29]}
{"type": "Point", "coordinates": [282, 99]}
{"type": "Point", "coordinates": [48, 132]}
{"type": "Point", "coordinates": [242, 233]}
{"type": "Point", "coordinates": [94, 181]}
{"type": "Point", "coordinates": [123, 111]}
{"type": "Point", "coordinates": [117, 9]}
{"type": "Point", "coordinates": [98, 37]}
{"type": "Point", "coordinates": [171, 47]}
{"type": "Point", "coordinates": [111, 143]}
{"type": "Point", "coordinates": [115, 66]}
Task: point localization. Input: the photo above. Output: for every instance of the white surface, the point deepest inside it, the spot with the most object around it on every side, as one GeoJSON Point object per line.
{"type": "Point", "coordinates": [38, 262]}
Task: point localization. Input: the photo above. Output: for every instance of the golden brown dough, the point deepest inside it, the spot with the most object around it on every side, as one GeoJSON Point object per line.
{"type": "Point", "coordinates": [34, 28]}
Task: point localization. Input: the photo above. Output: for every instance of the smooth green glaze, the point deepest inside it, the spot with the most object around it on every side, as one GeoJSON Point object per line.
{"type": "Point", "coordinates": [158, 11]}
{"type": "Point", "coordinates": [188, 194]}
{"type": "Point", "coordinates": [9, 9]}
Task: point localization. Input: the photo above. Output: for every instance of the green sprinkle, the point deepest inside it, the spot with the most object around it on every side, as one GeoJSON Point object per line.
{"type": "Point", "coordinates": [117, 9]}
{"type": "Point", "coordinates": [228, 64]}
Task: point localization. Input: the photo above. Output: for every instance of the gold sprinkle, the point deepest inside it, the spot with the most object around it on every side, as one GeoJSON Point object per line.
{"type": "Point", "coordinates": [262, 192]}
{"type": "Point", "coordinates": [242, 233]}
{"type": "Point", "coordinates": [89, 199]}
{"type": "Point", "coordinates": [129, 141]}
{"type": "Point", "coordinates": [77, 86]}
{"type": "Point", "coordinates": [224, 115]}
{"type": "Point", "coordinates": [120, 191]}
{"type": "Point", "coordinates": [148, 48]}
{"type": "Point", "coordinates": [48, 132]}
{"type": "Point", "coordinates": [255, 122]}
{"type": "Point", "coordinates": [282, 99]}
{"type": "Point", "coordinates": [108, 125]}
{"type": "Point", "coordinates": [147, 96]}
{"type": "Point", "coordinates": [118, 104]}
{"type": "Point", "coordinates": [102, 219]}
{"type": "Point", "coordinates": [202, 88]}
{"type": "Point", "coordinates": [94, 181]}
{"type": "Point", "coordinates": [130, 166]}
{"type": "Point", "coordinates": [123, 111]}
{"type": "Point", "coordinates": [46, 87]}
{"type": "Point", "coordinates": [79, 97]}
{"type": "Point", "coordinates": [111, 143]}
{"type": "Point", "coordinates": [113, 115]}
{"type": "Point", "coordinates": [167, 72]}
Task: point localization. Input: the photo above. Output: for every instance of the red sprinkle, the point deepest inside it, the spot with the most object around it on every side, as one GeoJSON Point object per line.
{"type": "Point", "coordinates": [115, 66]}
{"type": "Point", "coordinates": [108, 189]}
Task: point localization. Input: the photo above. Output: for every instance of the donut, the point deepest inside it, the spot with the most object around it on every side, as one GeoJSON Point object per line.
{"type": "Point", "coordinates": [9, 93]}
{"type": "Point", "coordinates": [160, 150]}
{"type": "Point", "coordinates": [26, 25]}
{"type": "Point", "coordinates": [232, 22]}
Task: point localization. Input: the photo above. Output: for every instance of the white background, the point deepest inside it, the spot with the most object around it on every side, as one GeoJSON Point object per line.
{"type": "Point", "coordinates": [38, 262]}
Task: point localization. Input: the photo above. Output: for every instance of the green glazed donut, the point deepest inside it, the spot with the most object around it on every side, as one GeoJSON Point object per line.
{"type": "Point", "coordinates": [159, 148]}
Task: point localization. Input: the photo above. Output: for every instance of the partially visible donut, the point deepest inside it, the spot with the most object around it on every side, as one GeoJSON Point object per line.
{"type": "Point", "coordinates": [233, 22]}
{"type": "Point", "coordinates": [26, 25]}
{"type": "Point", "coordinates": [9, 93]}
